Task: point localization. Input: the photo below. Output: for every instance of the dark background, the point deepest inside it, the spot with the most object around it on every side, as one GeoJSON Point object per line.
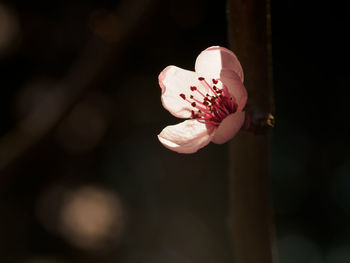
{"type": "Point", "coordinates": [83, 177]}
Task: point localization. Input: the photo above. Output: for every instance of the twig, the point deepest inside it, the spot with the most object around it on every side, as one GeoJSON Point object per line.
{"type": "Point", "coordinates": [252, 229]}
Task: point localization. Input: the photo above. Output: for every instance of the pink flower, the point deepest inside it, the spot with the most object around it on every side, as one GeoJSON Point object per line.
{"type": "Point", "coordinates": [213, 97]}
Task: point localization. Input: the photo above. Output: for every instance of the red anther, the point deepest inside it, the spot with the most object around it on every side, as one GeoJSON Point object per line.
{"type": "Point", "coordinates": [211, 109]}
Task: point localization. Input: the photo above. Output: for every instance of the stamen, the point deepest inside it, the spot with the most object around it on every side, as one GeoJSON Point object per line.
{"type": "Point", "coordinates": [206, 84]}
{"type": "Point", "coordinates": [226, 93]}
{"type": "Point", "coordinates": [193, 88]}
{"type": "Point", "coordinates": [213, 108]}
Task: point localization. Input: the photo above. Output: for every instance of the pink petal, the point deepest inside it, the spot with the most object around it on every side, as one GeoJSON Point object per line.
{"type": "Point", "coordinates": [228, 127]}
{"type": "Point", "coordinates": [235, 87]}
{"type": "Point", "coordinates": [211, 61]}
{"type": "Point", "coordinates": [174, 81]}
{"type": "Point", "coordinates": [186, 137]}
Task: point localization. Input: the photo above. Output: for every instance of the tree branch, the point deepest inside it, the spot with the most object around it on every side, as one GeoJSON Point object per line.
{"type": "Point", "coordinates": [250, 205]}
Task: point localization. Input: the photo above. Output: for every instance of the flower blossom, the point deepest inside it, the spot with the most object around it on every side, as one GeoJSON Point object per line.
{"type": "Point", "coordinates": [212, 99]}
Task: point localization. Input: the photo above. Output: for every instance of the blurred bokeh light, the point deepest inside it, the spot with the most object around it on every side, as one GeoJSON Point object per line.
{"type": "Point", "coordinates": [82, 129]}
{"type": "Point", "coordinates": [87, 217]}
{"type": "Point", "coordinates": [29, 99]}
{"type": "Point", "coordinates": [38, 105]}
{"type": "Point", "coordinates": [105, 24]}
{"type": "Point", "coordinates": [10, 29]}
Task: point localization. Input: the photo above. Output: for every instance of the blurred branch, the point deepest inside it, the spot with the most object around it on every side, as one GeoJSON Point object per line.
{"type": "Point", "coordinates": [251, 219]}
{"type": "Point", "coordinates": [92, 61]}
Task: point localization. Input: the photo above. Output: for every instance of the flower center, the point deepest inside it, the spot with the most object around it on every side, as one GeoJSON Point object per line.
{"type": "Point", "coordinates": [214, 106]}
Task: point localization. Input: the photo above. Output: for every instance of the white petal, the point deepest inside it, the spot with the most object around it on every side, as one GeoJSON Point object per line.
{"type": "Point", "coordinates": [235, 87]}
{"type": "Point", "coordinates": [173, 82]}
{"type": "Point", "coordinates": [228, 127]}
{"type": "Point", "coordinates": [211, 61]}
{"type": "Point", "coordinates": [186, 137]}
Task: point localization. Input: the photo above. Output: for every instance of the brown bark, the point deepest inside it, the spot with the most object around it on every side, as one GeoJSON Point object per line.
{"type": "Point", "coordinates": [250, 210]}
